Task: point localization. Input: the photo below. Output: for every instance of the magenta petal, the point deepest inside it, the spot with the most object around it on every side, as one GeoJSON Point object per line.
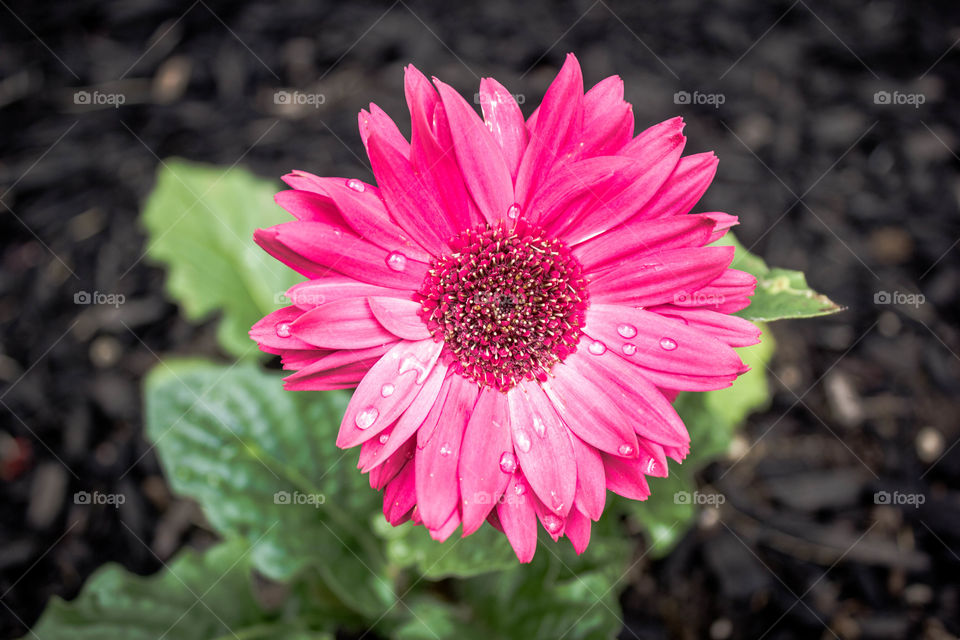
{"type": "Point", "coordinates": [722, 222]}
{"type": "Point", "coordinates": [591, 486]}
{"type": "Point", "coordinates": [558, 120]}
{"type": "Point", "coordinates": [582, 402]}
{"type": "Point", "coordinates": [313, 293]}
{"type": "Point", "coordinates": [662, 277]}
{"type": "Point", "coordinates": [400, 496]}
{"type": "Point", "coordinates": [664, 344]}
{"type": "Point", "coordinates": [486, 443]}
{"type": "Point", "coordinates": [387, 390]}
{"type": "Point", "coordinates": [447, 529]}
{"type": "Point", "coordinates": [655, 140]}
{"type": "Point", "coordinates": [683, 188]}
{"type": "Point", "coordinates": [542, 444]}
{"type": "Point", "coordinates": [733, 330]}
{"type": "Point", "coordinates": [336, 370]}
{"type": "Point", "coordinates": [342, 324]}
{"type": "Point", "coordinates": [376, 120]}
{"type": "Point", "coordinates": [576, 186]}
{"type": "Point", "coordinates": [607, 120]}
{"type": "Point", "coordinates": [577, 529]}
{"type": "Point", "coordinates": [437, 486]}
{"type": "Point", "coordinates": [316, 250]}
{"type": "Point", "coordinates": [309, 206]}
{"type": "Point", "coordinates": [481, 161]}
{"type": "Point", "coordinates": [638, 237]}
{"type": "Point", "coordinates": [518, 518]}
{"type": "Point", "coordinates": [625, 477]}
{"type": "Point", "coordinates": [384, 473]}
{"type": "Point", "coordinates": [505, 121]}
{"type": "Point", "coordinates": [399, 317]}
{"type": "Point", "coordinates": [273, 330]}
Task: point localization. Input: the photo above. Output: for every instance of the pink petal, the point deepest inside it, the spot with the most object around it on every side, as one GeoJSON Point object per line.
{"type": "Point", "coordinates": [337, 370]}
{"type": "Point", "coordinates": [481, 161]}
{"type": "Point", "coordinates": [577, 529]}
{"type": "Point", "coordinates": [387, 390]}
{"type": "Point", "coordinates": [723, 222]}
{"type": "Point", "coordinates": [542, 444]}
{"type": "Point", "coordinates": [377, 120]}
{"type": "Point", "coordinates": [384, 473]}
{"type": "Point", "coordinates": [584, 405]}
{"type": "Point", "coordinates": [625, 478]}
{"type": "Point", "coordinates": [399, 317]}
{"type": "Point", "coordinates": [655, 140]}
{"type": "Point", "coordinates": [447, 529]}
{"type": "Point", "coordinates": [518, 518]}
{"type": "Point", "coordinates": [559, 119]}
{"type": "Point", "coordinates": [313, 293]}
{"type": "Point", "coordinates": [733, 330]}
{"type": "Point", "coordinates": [273, 330]}
{"type": "Point", "coordinates": [591, 485]}
{"type": "Point", "coordinates": [662, 277]}
{"type": "Point", "coordinates": [505, 121]}
{"type": "Point", "coordinates": [342, 324]}
{"type": "Point", "coordinates": [607, 119]}
{"type": "Point", "coordinates": [312, 207]}
{"type": "Point", "coordinates": [486, 442]}
{"type": "Point", "coordinates": [683, 188]}
{"type": "Point", "coordinates": [578, 185]}
{"type": "Point", "coordinates": [437, 486]}
{"type": "Point", "coordinates": [637, 237]}
{"type": "Point", "coordinates": [315, 250]}
{"type": "Point", "coordinates": [400, 496]}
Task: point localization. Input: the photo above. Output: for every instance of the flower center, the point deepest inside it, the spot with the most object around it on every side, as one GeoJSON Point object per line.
{"type": "Point", "coordinates": [508, 303]}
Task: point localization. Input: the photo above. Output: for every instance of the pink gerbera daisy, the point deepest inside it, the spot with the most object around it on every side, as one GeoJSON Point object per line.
{"type": "Point", "coordinates": [517, 304]}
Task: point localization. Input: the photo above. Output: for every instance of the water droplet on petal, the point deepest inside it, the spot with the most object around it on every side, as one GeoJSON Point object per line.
{"type": "Point", "coordinates": [514, 211]}
{"type": "Point", "coordinates": [519, 489]}
{"type": "Point", "coordinates": [629, 349]}
{"type": "Point", "coordinates": [283, 330]}
{"type": "Point", "coordinates": [366, 417]}
{"type": "Point", "coordinates": [445, 450]}
{"type": "Point", "coordinates": [552, 523]}
{"type": "Point", "coordinates": [627, 330]}
{"type": "Point", "coordinates": [397, 261]}
{"type": "Point", "coordinates": [556, 502]}
{"type": "Point", "coordinates": [508, 462]}
{"type": "Point", "coordinates": [597, 348]}
{"type": "Point", "coordinates": [384, 437]}
{"type": "Point", "coordinates": [356, 185]}
{"type": "Point", "coordinates": [539, 427]}
{"type": "Point", "coordinates": [668, 344]}
{"type": "Point", "coordinates": [387, 390]}
{"type": "Point", "coordinates": [410, 363]}
{"type": "Point", "coordinates": [651, 467]}
{"type": "Point", "coordinates": [625, 450]}
{"type": "Point", "coordinates": [522, 440]}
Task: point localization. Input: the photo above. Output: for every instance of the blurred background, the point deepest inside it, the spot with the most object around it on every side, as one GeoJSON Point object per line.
{"type": "Point", "coordinates": [836, 124]}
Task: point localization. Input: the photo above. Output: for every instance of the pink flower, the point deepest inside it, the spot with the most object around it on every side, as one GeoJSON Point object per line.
{"type": "Point", "coordinates": [517, 304]}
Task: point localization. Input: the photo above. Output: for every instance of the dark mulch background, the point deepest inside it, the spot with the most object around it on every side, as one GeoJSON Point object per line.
{"type": "Point", "coordinates": [864, 401]}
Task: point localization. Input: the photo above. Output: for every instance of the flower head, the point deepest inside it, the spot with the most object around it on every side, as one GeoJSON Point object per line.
{"type": "Point", "coordinates": [517, 303]}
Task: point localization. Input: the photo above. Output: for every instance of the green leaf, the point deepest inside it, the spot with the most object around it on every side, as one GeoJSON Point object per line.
{"type": "Point", "coordinates": [262, 463]}
{"type": "Point", "coordinates": [200, 222]}
{"type": "Point", "coordinates": [200, 596]}
{"type": "Point", "coordinates": [781, 293]}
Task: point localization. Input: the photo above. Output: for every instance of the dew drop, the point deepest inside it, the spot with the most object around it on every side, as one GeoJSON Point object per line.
{"type": "Point", "coordinates": [445, 449]}
{"type": "Point", "coordinates": [539, 427]}
{"type": "Point", "coordinates": [410, 363]}
{"type": "Point", "coordinates": [597, 348]}
{"type": "Point", "coordinates": [508, 462]}
{"type": "Point", "coordinates": [625, 450]}
{"type": "Point", "coordinates": [627, 330]}
{"type": "Point", "coordinates": [514, 211]}
{"type": "Point", "coordinates": [283, 330]}
{"type": "Point", "coordinates": [651, 467]}
{"type": "Point", "coordinates": [384, 437]}
{"type": "Point", "coordinates": [552, 523]}
{"type": "Point", "coordinates": [366, 418]}
{"type": "Point", "coordinates": [397, 261]}
{"type": "Point", "coordinates": [356, 185]}
{"type": "Point", "coordinates": [556, 502]}
{"type": "Point", "coordinates": [522, 440]}
{"type": "Point", "coordinates": [629, 349]}
{"type": "Point", "coordinates": [387, 390]}
{"type": "Point", "coordinates": [519, 489]}
{"type": "Point", "coordinates": [668, 344]}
